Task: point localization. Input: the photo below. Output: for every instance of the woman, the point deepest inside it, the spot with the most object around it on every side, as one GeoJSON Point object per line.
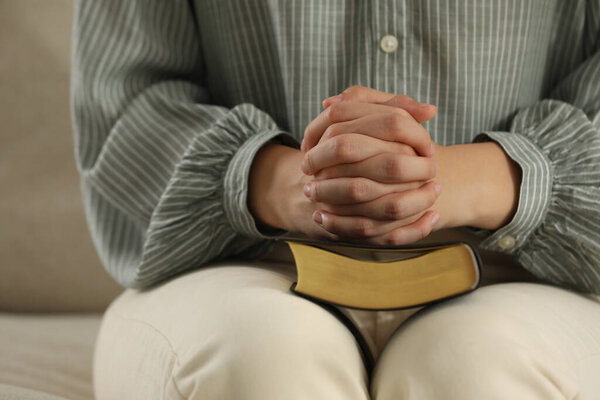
{"type": "Point", "coordinates": [189, 118]}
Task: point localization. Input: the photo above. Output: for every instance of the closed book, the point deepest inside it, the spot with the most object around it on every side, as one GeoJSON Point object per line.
{"type": "Point", "coordinates": [383, 277]}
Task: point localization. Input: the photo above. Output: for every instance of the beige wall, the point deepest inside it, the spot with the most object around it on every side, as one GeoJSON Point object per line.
{"type": "Point", "coordinates": [47, 260]}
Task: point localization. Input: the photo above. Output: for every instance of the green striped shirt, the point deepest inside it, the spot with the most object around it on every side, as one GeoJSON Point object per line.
{"type": "Point", "coordinates": [172, 99]}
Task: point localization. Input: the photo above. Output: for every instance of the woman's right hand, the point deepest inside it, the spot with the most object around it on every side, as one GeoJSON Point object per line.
{"type": "Point", "coordinates": [276, 198]}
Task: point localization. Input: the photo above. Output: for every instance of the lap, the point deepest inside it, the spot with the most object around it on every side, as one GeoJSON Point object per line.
{"type": "Point", "coordinates": [218, 331]}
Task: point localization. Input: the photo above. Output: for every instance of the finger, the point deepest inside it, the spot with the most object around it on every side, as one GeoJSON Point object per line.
{"type": "Point", "coordinates": [385, 168]}
{"type": "Point", "coordinates": [355, 226]}
{"type": "Point", "coordinates": [347, 148]}
{"type": "Point", "coordinates": [421, 112]}
{"type": "Point", "coordinates": [319, 233]}
{"type": "Point", "coordinates": [410, 233]}
{"type": "Point", "coordinates": [359, 93]}
{"type": "Point", "coordinates": [393, 206]}
{"type": "Point", "coordinates": [346, 111]}
{"type": "Point", "coordinates": [391, 127]}
{"type": "Point", "coordinates": [351, 190]}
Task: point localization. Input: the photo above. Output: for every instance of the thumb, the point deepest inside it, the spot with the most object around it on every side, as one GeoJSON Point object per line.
{"type": "Point", "coordinates": [421, 112]}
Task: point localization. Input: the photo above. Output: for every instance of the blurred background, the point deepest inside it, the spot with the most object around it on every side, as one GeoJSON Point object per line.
{"type": "Point", "coordinates": [53, 288]}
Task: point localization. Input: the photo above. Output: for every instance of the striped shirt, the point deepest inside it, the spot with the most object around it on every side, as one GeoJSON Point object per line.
{"type": "Point", "coordinates": [171, 100]}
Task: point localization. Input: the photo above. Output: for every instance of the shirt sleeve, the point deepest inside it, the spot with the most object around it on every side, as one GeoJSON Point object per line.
{"type": "Point", "coordinates": [164, 173]}
{"type": "Point", "coordinates": [555, 232]}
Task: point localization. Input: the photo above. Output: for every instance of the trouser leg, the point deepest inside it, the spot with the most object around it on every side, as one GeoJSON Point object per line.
{"type": "Point", "coordinates": [508, 341]}
{"type": "Point", "coordinates": [226, 332]}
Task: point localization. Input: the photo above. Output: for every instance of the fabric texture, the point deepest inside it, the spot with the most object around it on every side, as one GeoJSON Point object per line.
{"type": "Point", "coordinates": [172, 99]}
{"type": "Point", "coordinates": [230, 331]}
{"type": "Point", "coordinates": [8, 392]}
{"type": "Point", "coordinates": [49, 353]}
{"type": "Point", "coordinates": [233, 330]}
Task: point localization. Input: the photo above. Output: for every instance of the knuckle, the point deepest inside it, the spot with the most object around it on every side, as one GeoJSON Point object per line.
{"type": "Point", "coordinates": [393, 239]}
{"type": "Point", "coordinates": [364, 228]}
{"type": "Point", "coordinates": [393, 167]}
{"type": "Point", "coordinates": [334, 112]}
{"type": "Point", "coordinates": [332, 131]}
{"type": "Point", "coordinates": [393, 121]}
{"type": "Point", "coordinates": [343, 148]}
{"type": "Point", "coordinates": [325, 173]}
{"type": "Point", "coordinates": [394, 209]}
{"type": "Point", "coordinates": [406, 150]}
{"type": "Point", "coordinates": [352, 92]}
{"type": "Point", "coordinates": [357, 190]}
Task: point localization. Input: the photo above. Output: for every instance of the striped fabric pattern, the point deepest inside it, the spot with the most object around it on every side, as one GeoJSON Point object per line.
{"type": "Point", "coordinates": [171, 100]}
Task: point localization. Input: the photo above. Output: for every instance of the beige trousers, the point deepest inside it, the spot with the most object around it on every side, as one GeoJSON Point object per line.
{"type": "Point", "coordinates": [234, 331]}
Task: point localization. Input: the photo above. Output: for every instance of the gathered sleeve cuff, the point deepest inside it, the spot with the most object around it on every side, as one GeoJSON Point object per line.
{"type": "Point", "coordinates": [555, 232]}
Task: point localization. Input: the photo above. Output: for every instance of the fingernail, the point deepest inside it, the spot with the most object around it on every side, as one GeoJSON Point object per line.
{"type": "Point", "coordinates": [437, 188]}
{"type": "Point", "coordinates": [302, 146]}
{"type": "Point", "coordinates": [435, 219]}
{"type": "Point", "coordinates": [423, 105]}
{"type": "Point", "coordinates": [307, 190]}
{"type": "Point", "coordinates": [318, 218]}
{"type": "Point", "coordinates": [432, 149]}
{"type": "Point", "coordinates": [303, 167]}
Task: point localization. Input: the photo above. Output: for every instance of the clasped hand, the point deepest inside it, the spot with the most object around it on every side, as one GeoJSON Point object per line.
{"type": "Point", "coordinates": [369, 173]}
{"type": "Point", "coordinates": [371, 167]}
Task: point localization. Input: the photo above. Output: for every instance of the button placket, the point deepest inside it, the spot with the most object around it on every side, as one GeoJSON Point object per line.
{"type": "Point", "coordinates": [389, 28]}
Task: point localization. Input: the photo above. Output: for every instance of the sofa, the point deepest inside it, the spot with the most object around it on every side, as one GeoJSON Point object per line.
{"type": "Point", "coordinates": [53, 288]}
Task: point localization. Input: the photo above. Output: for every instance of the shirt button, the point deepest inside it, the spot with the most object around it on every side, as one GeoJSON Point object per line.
{"type": "Point", "coordinates": [389, 43]}
{"type": "Point", "coordinates": [507, 242]}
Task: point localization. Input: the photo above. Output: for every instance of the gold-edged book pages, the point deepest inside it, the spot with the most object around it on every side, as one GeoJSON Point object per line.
{"type": "Point", "coordinates": [382, 278]}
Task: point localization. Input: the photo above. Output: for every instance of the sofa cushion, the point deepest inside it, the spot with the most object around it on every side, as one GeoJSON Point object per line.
{"type": "Point", "coordinates": [9, 392]}
{"type": "Point", "coordinates": [50, 353]}
{"type": "Point", "coordinates": [48, 260]}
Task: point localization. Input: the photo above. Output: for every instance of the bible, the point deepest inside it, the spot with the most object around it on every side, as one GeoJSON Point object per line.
{"type": "Point", "coordinates": [383, 277]}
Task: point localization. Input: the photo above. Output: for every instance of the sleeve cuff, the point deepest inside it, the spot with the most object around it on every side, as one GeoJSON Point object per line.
{"type": "Point", "coordinates": [535, 191]}
{"type": "Point", "coordinates": [236, 183]}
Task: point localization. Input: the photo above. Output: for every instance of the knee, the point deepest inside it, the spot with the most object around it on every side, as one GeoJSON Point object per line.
{"type": "Point", "coordinates": [465, 349]}
{"type": "Point", "coordinates": [272, 350]}
{"type": "Point", "coordinates": [252, 340]}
